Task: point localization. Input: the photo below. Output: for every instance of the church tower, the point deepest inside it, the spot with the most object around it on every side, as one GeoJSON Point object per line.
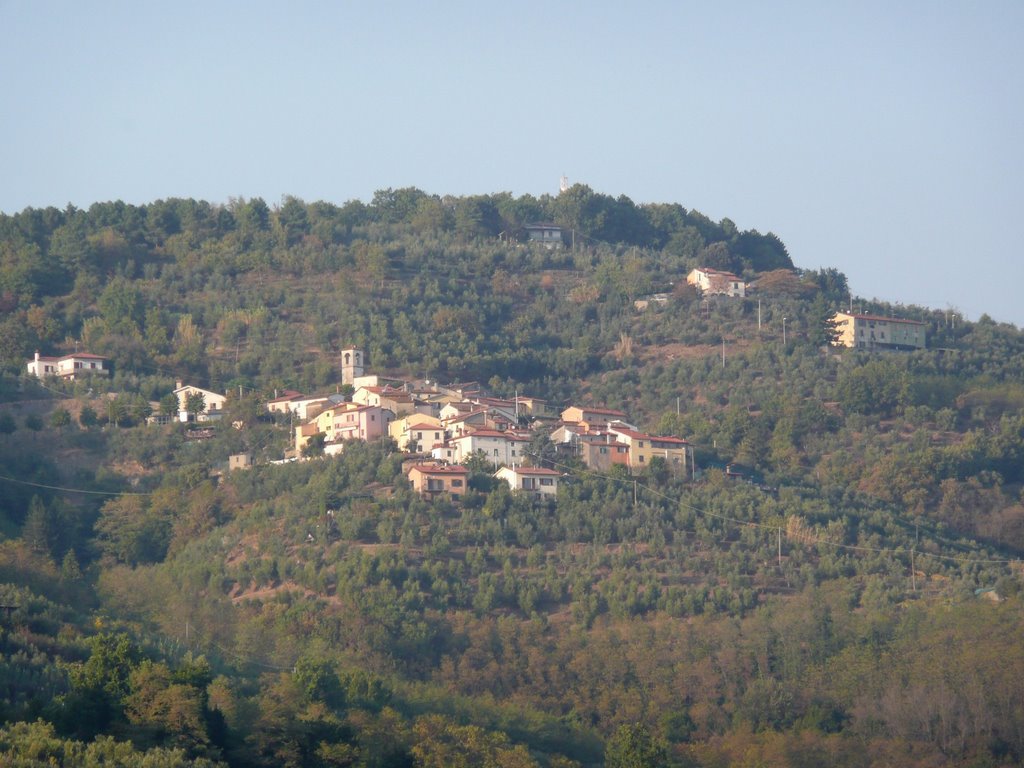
{"type": "Point", "coordinates": [351, 365]}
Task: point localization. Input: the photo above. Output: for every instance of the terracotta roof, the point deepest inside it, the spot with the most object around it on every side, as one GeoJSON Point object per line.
{"type": "Point", "coordinates": [288, 395]}
{"type": "Point", "coordinates": [465, 416]}
{"type": "Point", "coordinates": [713, 271]}
{"type": "Point", "coordinates": [424, 425]}
{"type": "Point", "coordinates": [440, 469]}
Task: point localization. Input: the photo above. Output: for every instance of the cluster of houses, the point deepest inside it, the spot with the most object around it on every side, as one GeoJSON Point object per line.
{"type": "Point", "coordinates": [854, 330]}
{"type": "Point", "coordinates": [442, 427]}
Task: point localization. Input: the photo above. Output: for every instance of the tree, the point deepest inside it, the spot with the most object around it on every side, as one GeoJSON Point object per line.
{"type": "Point", "coordinates": [128, 531]}
{"type": "Point", "coordinates": [632, 746]}
{"type": "Point", "coordinates": [293, 219]}
{"type": "Point", "coordinates": [314, 446]}
{"type": "Point", "coordinates": [98, 686]}
{"type": "Point", "coordinates": [70, 570]}
{"type": "Point", "coordinates": [121, 306]}
{"type": "Point", "coordinates": [87, 416]}
{"type": "Point", "coordinates": [39, 530]}
{"type": "Point", "coordinates": [169, 404]}
{"type": "Point", "coordinates": [438, 742]}
{"type": "Point", "coordinates": [195, 403]}
{"type": "Point", "coordinates": [139, 409]}
{"type": "Point", "coordinates": [117, 410]}
{"type": "Point", "coordinates": [166, 711]}
{"type": "Point", "coordinates": [7, 423]}
{"type": "Point", "coordinates": [60, 418]}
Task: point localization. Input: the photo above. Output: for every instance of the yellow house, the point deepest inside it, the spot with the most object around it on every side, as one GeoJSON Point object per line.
{"type": "Point", "coordinates": [395, 400]}
{"type": "Point", "coordinates": [418, 430]}
{"type": "Point", "coordinates": [594, 417]}
{"type": "Point", "coordinates": [643, 448]}
{"type": "Point", "coordinates": [876, 332]}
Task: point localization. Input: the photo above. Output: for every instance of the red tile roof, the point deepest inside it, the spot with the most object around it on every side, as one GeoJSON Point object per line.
{"type": "Point", "coordinates": [440, 469]}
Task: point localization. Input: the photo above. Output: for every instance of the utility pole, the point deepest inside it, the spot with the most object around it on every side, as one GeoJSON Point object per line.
{"type": "Point", "coordinates": [784, 331]}
{"type": "Point", "coordinates": [779, 530]}
{"type": "Point", "coordinates": [723, 351]}
{"type": "Point", "coordinates": [759, 315]}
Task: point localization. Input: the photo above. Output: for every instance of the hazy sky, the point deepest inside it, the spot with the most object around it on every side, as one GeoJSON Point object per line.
{"type": "Point", "coordinates": [881, 138]}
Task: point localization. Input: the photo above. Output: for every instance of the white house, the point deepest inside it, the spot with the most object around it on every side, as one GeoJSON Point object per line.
{"type": "Point", "coordinates": [497, 447]}
{"type": "Point", "coordinates": [213, 403]}
{"type": "Point", "coordinates": [69, 366]}
{"type": "Point", "coordinates": [536, 481]}
{"type": "Point", "coordinates": [717, 282]}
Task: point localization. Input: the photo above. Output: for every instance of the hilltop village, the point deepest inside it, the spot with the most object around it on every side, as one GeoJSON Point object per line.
{"type": "Point", "coordinates": [417, 482]}
{"type": "Point", "coordinates": [442, 427]}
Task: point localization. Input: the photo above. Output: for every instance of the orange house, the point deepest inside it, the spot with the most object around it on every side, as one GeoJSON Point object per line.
{"type": "Point", "coordinates": [429, 480]}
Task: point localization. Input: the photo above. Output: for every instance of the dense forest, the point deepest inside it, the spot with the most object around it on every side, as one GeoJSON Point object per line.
{"type": "Point", "coordinates": [839, 584]}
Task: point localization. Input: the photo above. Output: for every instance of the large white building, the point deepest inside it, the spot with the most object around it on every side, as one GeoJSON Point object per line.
{"type": "Point", "coordinates": [877, 332]}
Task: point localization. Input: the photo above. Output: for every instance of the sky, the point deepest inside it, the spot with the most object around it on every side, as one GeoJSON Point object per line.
{"type": "Point", "coordinates": [883, 139]}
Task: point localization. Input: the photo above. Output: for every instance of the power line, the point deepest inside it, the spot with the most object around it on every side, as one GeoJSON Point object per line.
{"type": "Point", "coordinates": [767, 527]}
{"type": "Point", "coordinates": [71, 490]}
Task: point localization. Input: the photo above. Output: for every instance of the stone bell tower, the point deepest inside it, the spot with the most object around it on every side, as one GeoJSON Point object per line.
{"type": "Point", "coordinates": [352, 362]}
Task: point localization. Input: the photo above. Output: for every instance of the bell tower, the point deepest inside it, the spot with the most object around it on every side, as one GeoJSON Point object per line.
{"type": "Point", "coordinates": [352, 361]}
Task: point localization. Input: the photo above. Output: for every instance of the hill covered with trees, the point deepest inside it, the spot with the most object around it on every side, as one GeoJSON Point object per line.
{"type": "Point", "coordinates": [847, 593]}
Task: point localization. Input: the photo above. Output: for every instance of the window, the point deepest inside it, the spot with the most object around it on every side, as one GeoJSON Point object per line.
{"type": "Point", "coordinates": [641, 459]}
{"type": "Point", "coordinates": [434, 484]}
{"type": "Point", "coordinates": [547, 481]}
{"type": "Point", "coordinates": [456, 483]}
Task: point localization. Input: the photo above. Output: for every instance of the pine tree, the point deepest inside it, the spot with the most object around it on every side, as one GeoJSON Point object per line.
{"type": "Point", "coordinates": [38, 531]}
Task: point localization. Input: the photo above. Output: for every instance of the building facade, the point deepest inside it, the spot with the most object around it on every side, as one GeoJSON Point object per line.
{"type": "Point", "coordinates": [538, 482]}
{"type": "Point", "coordinates": [430, 480]}
{"type": "Point", "coordinates": [68, 366]}
{"type": "Point", "coordinates": [858, 331]}
{"type": "Point", "coordinates": [717, 282]}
